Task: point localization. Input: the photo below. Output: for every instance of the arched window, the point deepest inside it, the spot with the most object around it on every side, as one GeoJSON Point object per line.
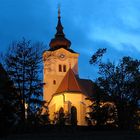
{"type": "Point", "coordinates": [64, 68]}
{"type": "Point", "coordinates": [73, 115]}
{"type": "Point", "coordinates": [54, 82]}
{"type": "Point", "coordinates": [60, 68]}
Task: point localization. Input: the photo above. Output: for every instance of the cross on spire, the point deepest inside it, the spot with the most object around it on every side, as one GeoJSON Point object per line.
{"type": "Point", "coordinates": [59, 12]}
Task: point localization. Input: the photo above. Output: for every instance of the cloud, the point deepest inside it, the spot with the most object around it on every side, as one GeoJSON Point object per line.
{"type": "Point", "coordinates": [115, 21]}
{"type": "Point", "coordinates": [116, 37]}
{"type": "Point", "coordinates": [114, 24]}
{"type": "Point", "coordinates": [112, 54]}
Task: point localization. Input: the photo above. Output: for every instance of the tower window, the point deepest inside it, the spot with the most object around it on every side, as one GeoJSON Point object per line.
{"type": "Point", "coordinates": [60, 68]}
{"type": "Point", "coordinates": [54, 82]}
{"type": "Point", "coordinates": [64, 68]}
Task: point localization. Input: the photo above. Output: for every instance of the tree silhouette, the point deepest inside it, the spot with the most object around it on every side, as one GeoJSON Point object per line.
{"type": "Point", "coordinates": [121, 83]}
{"type": "Point", "coordinates": [60, 117]}
{"type": "Point", "coordinates": [9, 103]}
{"type": "Point", "coordinates": [102, 111]}
{"type": "Point", "coordinates": [23, 64]}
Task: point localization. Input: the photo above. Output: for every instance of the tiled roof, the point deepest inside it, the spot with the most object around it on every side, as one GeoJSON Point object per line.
{"type": "Point", "coordinates": [87, 86]}
{"type": "Point", "coordinates": [69, 83]}
{"type": "Point", "coordinates": [59, 47]}
{"type": "Point", "coordinates": [72, 83]}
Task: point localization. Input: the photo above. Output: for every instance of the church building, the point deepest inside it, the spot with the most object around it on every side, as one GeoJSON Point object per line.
{"type": "Point", "coordinates": [64, 91]}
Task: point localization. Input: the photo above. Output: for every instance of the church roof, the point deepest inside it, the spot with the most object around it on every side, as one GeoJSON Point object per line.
{"type": "Point", "coordinates": [69, 83]}
{"type": "Point", "coordinates": [87, 86]}
{"type": "Point", "coordinates": [72, 83]}
{"type": "Point", "coordinates": [58, 47]}
{"type": "Point", "coordinates": [59, 40]}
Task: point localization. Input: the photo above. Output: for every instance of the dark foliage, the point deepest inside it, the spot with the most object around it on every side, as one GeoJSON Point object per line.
{"type": "Point", "coordinates": [23, 65]}
{"type": "Point", "coordinates": [121, 83]}
{"type": "Point", "coordinates": [66, 118]}
{"type": "Point", "coordinates": [96, 58]}
{"type": "Point", "coordinates": [102, 110]}
{"type": "Point", "coordinates": [60, 117]}
{"type": "Point", "coordinates": [9, 103]}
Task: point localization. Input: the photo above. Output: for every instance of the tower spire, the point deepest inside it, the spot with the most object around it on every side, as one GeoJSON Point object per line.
{"type": "Point", "coordinates": [59, 12]}
{"type": "Point", "coordinates": [59, 27]}
{"type": "Point", "coordinates": [59, 40]}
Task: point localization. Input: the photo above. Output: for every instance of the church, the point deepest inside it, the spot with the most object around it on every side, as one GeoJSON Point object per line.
{"type": "Point", "coordinates": [64, 91]}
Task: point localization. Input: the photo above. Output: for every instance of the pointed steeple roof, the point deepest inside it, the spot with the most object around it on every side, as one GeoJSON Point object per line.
{"type": "Point", "coordinates": [69, 83]}
{"type": "Point", "coordinates": [60, 40]}
{"type": "Point", "coordinates": [59, 27]}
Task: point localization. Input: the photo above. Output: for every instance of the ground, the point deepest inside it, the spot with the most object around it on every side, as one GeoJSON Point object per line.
{"type": "Point", "coordinates": [74, 135]}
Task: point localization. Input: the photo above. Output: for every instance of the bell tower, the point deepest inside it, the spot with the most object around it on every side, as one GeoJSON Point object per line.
{"type": "Point", "coordinates": [58, 59]}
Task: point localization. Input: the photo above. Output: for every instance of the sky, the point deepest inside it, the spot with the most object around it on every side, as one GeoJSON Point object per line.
{"type": "Point", "coordinates": [89, 24]}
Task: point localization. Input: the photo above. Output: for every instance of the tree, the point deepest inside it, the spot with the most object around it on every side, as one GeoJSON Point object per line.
{"type": "Point", "coordinates": [60, 117]}
{"type": "Point", "coordinates": [97, 57]}
{"type": "Point", "coordinates": [23, 65]}
{"type": "Point", "coordinates": [102, 110]}
{"type": "Point", "coordinates": [9, 103]}
{"type": "Point", "coordinates": [121, 83]}
{"type": "Point", "coordinates": [42, 119]}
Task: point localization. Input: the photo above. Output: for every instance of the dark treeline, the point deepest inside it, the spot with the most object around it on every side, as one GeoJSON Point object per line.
{"type": "Point", "coordinates": [117, 100]}
{"type": "Point", "coordinates": [21, 87]}
{"type": "Point", "coordinates": [114, 105]}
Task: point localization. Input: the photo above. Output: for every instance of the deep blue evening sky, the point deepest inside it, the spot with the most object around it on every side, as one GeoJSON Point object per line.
{"type": "Point", "coordinates": [89, 24]}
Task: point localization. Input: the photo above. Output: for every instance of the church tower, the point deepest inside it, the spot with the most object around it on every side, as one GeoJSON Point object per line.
{"type": "Point", "coordinates": [64, 91]}
{"type": "Point", "coordinates": [57, 61]}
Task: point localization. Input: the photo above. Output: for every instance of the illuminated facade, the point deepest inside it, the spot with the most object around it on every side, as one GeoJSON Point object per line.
{"type": "Point", "coordinates": [63, 89]}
